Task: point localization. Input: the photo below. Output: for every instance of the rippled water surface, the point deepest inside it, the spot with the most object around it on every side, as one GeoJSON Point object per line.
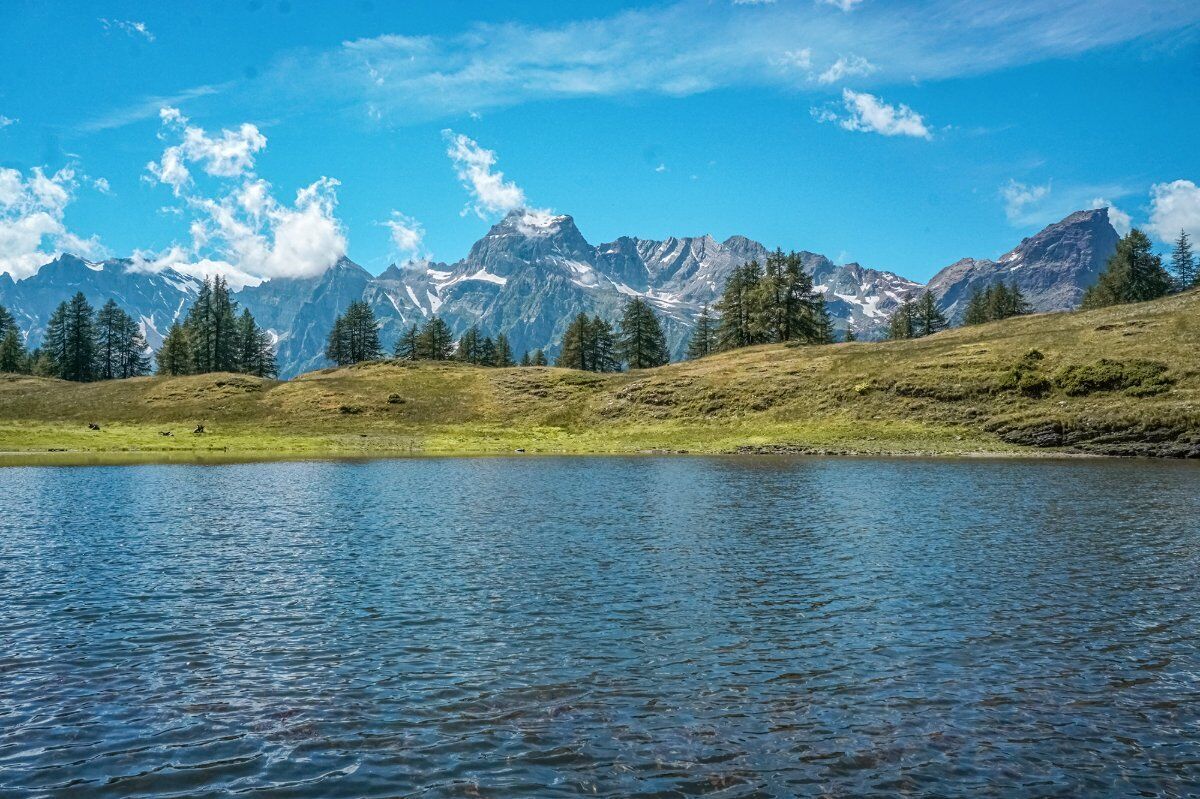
{"type": "Point", "coordinates": [613, 627]}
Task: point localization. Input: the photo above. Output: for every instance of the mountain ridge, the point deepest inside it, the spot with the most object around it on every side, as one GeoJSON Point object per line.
{"type": "Point", "coordinates": [533, 271]}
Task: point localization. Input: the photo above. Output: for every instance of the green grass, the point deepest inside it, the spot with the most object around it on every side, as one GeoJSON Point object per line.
{"type": "Point", "coordinates": [1120, 380]}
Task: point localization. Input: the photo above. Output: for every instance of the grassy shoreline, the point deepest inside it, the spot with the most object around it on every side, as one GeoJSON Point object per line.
{"type": "Point", "coordinates": [1117, 381]}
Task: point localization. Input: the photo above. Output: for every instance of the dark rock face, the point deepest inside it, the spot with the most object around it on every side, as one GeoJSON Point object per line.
{"type": "Point", "coordinates": [534, 271]}
{"type": "Point", "coordinates": [1053, 268]}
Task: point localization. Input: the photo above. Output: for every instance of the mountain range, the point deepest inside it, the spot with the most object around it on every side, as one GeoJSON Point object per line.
{"type": "Point", "coordinates": [533, 271]}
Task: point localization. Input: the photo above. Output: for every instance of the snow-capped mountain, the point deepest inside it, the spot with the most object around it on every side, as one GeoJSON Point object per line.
{"type": "Point", "coordinates": [534, 271]}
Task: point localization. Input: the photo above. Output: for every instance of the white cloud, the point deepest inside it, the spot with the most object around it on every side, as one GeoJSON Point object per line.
{"type": "Point", "coordinates": [474, 166]}
{"type": "Point", "coordinates": [6, 121]}
{"type": "Point", "coordinates": [660, 168]}
{"type": "Point", "coordinates": [1121, 221]}
{"type": "Point", "coordinates": [239, 223]}
{"type": "Point", "coordinates": [795, 59]}
{"type": "Point", "coordinates": [101, 185]}
{"type": "Point", "coordinates": [32, 227]}
{"type": "Point", "coordinates": [867, 113]}
{"type": "Point", "coordinates": [844, 5]}
{"type": "Point", "coordinates": [753, 2]}
{"type": "Point", "coordinates": [844, 67]}
{"type": "Point", "coordinates": [1018, 197]}
{"type": "Point", "coordinates": [694, 46]}
{"type": "Point", "coordinates": [1174, 206]}
{"type": "Point", "coordinates": [128, 26]}
{"type": "Point", "coordinates": [408, 235]}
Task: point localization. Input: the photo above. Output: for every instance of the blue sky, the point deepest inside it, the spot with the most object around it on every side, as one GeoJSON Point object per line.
{"type": "Point", "coordinates": [902, 135]}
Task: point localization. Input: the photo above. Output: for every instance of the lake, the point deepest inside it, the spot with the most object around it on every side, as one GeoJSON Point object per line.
{"type": "Point", "coordinates": [729, 627]}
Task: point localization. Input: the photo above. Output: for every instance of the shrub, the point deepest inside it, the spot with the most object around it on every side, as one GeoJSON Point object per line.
{"type": "Point", "coordinates": [1139, 378]}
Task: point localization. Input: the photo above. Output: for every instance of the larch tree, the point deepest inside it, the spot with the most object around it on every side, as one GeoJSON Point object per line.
{"type": "Point", "coordinates": [70, 343]}
{"type": "Point", "coordinates": [704, 336]}
{"type": "Point", "coordinates": [640, 341]}
{"type": "Point", "coordinates": [407, 346]}
{"type": "Point", "coordinates": [174, 357]}
{"type": "Point", "coordinates": [1133, 274]}
{"type": "Point", "coordinates": [1183, 263]}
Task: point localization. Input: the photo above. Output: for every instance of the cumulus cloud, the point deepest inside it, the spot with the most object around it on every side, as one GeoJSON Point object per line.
{"type": "Point", "coordinates": [238, 225]}
{"type": "Point", "coordinates": [866, 113]}
{"type": "Point", "coordinates": [408, 235]}
{"type": "Point", "coordinates": [845, 67]}
{"type": "Point", "coordinates": [129, 27]}
{"type": "Point", "coordinates": [1174, 206]}
{"type": "Point", "coordinates": [6, 121]}
{"type": "Point", "coordinates": [32, 227]}
{"type": "Point", "coordinates": [1121, 221]}
{"type": "Point", "coordinates": [474, 165]}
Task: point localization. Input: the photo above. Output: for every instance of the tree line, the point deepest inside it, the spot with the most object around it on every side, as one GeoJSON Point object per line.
{"type": "Point", "coordinates": [84, 345]}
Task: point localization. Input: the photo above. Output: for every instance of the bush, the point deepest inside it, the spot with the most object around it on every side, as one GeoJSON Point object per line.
{"type": "Point", "coordinates": [1139, 378]}
{"type": "Point", "coordinates": [1025, 376]}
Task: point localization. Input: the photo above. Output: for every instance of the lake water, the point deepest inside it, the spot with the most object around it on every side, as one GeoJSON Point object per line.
{"type": "Point", "coordinates": [601, 626]}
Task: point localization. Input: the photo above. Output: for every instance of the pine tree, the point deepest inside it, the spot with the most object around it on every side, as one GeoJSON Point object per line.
{"type": "Point", "coordinates": [602, 347]}
{"type": "Point", "coordinates": [407, 345]}
{"type": "Point", "coordinates": [821, 330]}
{"type": "Point", "coordinates": [435, 341]}
{"type": "Point", "coordinates": [256, 353]}
{"type": "Point", "coordinates": [12, 352]}
{"type": "Point", "coordinates": [355, 336]}
{"type": "Point", "coordinates": [110, 331]}
{"type": "Point", "coordinates": [977, 309]}
{"type": "Point", "coordinates": [927, 319]}
{"type": "Point", "coordinates": [736, 307]}
{"type": "Point", "coordinates": [576, 344]}
{"type": "Point", "coordinates": [468, 350]}
{"type": "Point", "coordinates": [784, 306]}
{"type": "Point", "coordinates": [70, 345]}
{"type": "Point", "coordinates": [7, 322]}
{"type": "Point", "coordinates": [850, 335]}
{"type": "Point", "coordinates": [704, 336]}
{"type": "Point", "coordinates": [525, 359]}
{"type": "Point", "coordinates": [1133, 274]}
{"type": "Point", "coordinates": [174, 357]}
{"type": "Point", "coordinates": [504, 357]}
{"type": "Point", "coordinates": [640, 342]}
{"type": "Point", "coordinates": [900, 324]}
{"type": "Point", "coordinates": [487, 352]}
{"type": "Point", "coordinates": [212, 328]}
{"type": "Point", "coordinates": [539, 358]}
{"type": "Point", "coordinates": [1183, 263]}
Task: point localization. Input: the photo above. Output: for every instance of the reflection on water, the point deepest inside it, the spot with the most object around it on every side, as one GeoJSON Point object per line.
{"type": "Point", "coordinates": [620, 627]}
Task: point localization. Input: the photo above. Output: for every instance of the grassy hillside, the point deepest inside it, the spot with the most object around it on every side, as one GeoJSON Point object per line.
{"type": "Point", "coordinates": [1122, 380]}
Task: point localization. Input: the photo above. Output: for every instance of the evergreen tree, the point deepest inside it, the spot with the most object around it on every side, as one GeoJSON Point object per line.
{"type": "Point", "coordinates": [977, 308]}
{"type": "Point", "coordinates": [355, 336]}
{"type": "Point", "coordinates": [900, 324]}
{"type": "Point", "coordinates": [539, 358]}
{"type": "Point", "coordinates": [575, 344]}
{"type": "Point", "coordinates": [70, 345]}
{"type": "Point", "coordinates": [927, 319]}
{"type": "Point", "coordinates": [704, 337]}
{"type": "Point", "coordinates": [1133, 274]}
{"type": "Point", "coordinates": [504, 356]}
{"type": "Point", "coordinates": [487, 352]}
{"type": "Point", "coordinates": [821, 331]}
{"type": "Point", "coordinates": [468, 350]}
{"type": "Point", "coordinates": [112, 346]}
{"type": "Point", "coordinates": [174, 357]}
{"type": "Point", "coordinates": [407, 345]}
{"type": "Point", "coordinates": [212, 328]}
{"type": "Point", "coordinates": [784, 306]}
{"type": "Point", "coordinates": [736, 306]}
{"type": "Point", "coordinates": [435, 341]}
{"type": "Point", "coordinates": [640, 342]}
{"type": "Point", "coordinates": [256, 353]}
{"type": "Point", "coordinates": [602, 353]}
{"type": "Point", "coordinates": [12, 351]}
{"type": "Point", "coordinates": [850, 335]}
{"type": "Point", "coordinates": [7, 322]}
{"type": "Point", "coordinates": [525, 359]}
{"type": "Point", "coordinates": [1183, 263]}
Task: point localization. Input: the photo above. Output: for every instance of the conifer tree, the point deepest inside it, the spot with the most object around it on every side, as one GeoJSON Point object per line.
{"type": "Point", "coordinates": [174, 357]}
{"type": "Point", "coordinates": [704, 336]}
{"type": "Point", "coordinates": [355, 336]}
{"type": "Point", "coordinates": [784, 306]}
{"type": "Point", "coordinates": [927, 319]}
{"type": "Point", "coordinates": [256, 353]}
{"type": "Point", "coordinates": [468, 350]}
{"type": "Point", "coordinates": [525, 359]}
{"type": "Point", "coordinates": [736, 306]}
{"type": "Point", "coordinates": [70, 345]}
{"type": "Point", "coordinates": [504, 356]}
{"type": "Point", "coordinates": [117, 340]}
{"type": "Point", "coordinates": [900, 324]}
{"type": "Point", "coordinates": [487, 352]}
{"type": "Point", "coordinates": [407, 348]}
{"type": "Point", "coordinates": [7, 322]}
{"type": "Point", "coordinates": [576, 344]}
{"type": "Point", "coordinates": [1133, 274]}
{"type": "Point", "coordinates": [821, 330]}
{"type": "Point", "coordinates": [640, 341]}
{"type": "Point", "coordinates": [12, 351]}
{"type": "Point", "coordinates": [539, 358]}
{"type": "Point", "coordinates": [977, 308]}
{"type": "Point", "coordinates": [602, 353]}
{"type": "Point", "coordinates": [435, 341]}
{"type": "Point", "coordinates": [850, 335]}
{"type": "Point", "coordinates": [211, 325]}
{"type": "Point", "coordinates": [1183, 263]}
